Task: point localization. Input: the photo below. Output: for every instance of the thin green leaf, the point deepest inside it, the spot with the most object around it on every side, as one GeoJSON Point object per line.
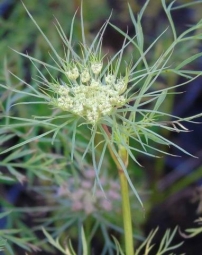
{"type": "Point", "coordinates": [188, 60]}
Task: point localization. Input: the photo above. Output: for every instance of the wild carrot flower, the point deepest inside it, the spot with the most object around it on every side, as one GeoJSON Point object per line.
{"type": "Point", "coordinates": [81, 198]}
{"type": "Point", "coordinates": [87, 95]}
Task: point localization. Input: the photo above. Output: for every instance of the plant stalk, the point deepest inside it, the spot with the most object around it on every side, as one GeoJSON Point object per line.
{"type": "Point", "coordinates": [126, 208]}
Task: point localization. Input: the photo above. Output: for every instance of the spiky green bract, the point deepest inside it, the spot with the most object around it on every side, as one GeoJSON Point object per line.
{"type": "Point", "coordinates": [90, 90]}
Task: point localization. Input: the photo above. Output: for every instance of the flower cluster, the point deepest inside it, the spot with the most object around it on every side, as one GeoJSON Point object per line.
{"type": "Point", "coordinates": [90, 95]}
{"type": "Point", "coordinates": [82, 199]}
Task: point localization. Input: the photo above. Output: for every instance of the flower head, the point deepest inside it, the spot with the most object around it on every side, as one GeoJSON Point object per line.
{"type": "Point", "coordinates": [90, 97]}
{"type": "Point", "coordinates": [82, 199]}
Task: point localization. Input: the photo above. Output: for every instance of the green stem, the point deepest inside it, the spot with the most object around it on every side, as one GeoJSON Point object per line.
{"type": "Point", "coordinates": [126, 208]}
{"type": "Point", "coordinates": [126, 212]}
{"type": "Point", "coordinates": [88, 228]}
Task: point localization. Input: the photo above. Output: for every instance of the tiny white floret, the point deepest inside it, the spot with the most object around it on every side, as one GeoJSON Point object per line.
{"type": "Point", "coordinates": [96, 67]}
{"type": "Point", "coordinates": [85, 76]}
{"type": "Point", "coordinates": [73, 73]}
{"type": "Point", "coordinates": [110, 79]}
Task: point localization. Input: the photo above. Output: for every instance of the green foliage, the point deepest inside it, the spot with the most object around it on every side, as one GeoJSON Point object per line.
{"type": "Point", "coordinates": [54, 141]}
{"type": "Point", "coordinates": [68, 249]}
{"type": "Point", "coordinates": [2, 243]}
{"type": "Point", "coordinates": [145, 248]}
{"type": "Point", "coordinates": [192, 232]}
{"type": "Point", "coordinates": [8, 239]}
{"type": "Point", "coordinates": [128, 121]}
